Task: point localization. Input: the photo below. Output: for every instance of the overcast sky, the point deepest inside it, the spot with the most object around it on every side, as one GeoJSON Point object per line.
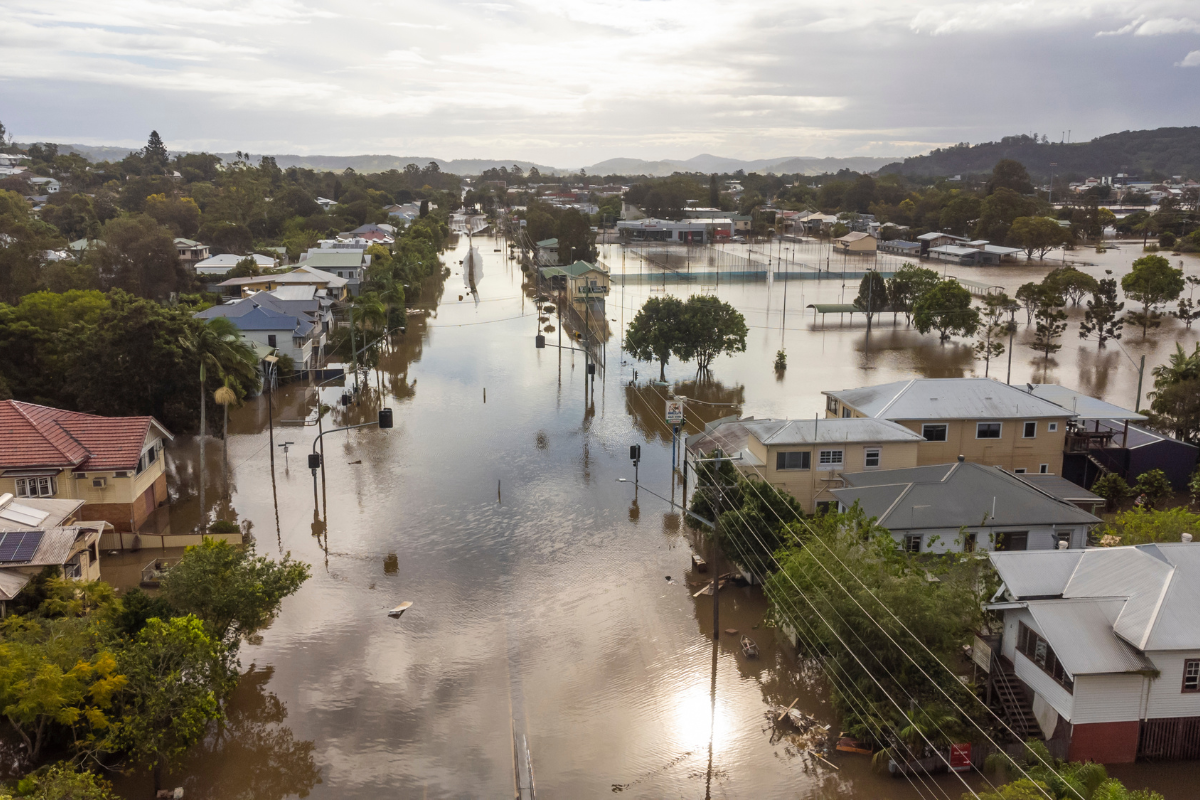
{"type": "Point", "coordinates": [572, 82]}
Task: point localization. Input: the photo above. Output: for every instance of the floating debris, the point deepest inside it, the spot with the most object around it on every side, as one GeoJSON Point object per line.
{"type": "Point", "coordinates": [400, 609]}
{"type": "Point", "coordinates": [731, 631]}
{"type": "Point", "coordinates": [749, 647]}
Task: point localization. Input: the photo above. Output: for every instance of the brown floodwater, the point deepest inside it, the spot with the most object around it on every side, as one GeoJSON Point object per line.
{"type": "Point", "coordinates": [551, 605]}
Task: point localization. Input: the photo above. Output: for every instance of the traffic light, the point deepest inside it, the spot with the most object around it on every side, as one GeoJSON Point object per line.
{"type": "Point", "coordinates": [385, 418]}
{"type": "Point", "coordinates": [635, 452]}
{"type": "Point", "coordinates": [539, 342]}
{"type": "Point", "coordinates": [314, 460]}
{"type": "Point", "coordinates": [591, 369]}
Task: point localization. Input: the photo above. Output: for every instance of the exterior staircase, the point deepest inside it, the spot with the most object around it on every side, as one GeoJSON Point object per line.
{"type": "Point", "coordinates": [1017, 707]}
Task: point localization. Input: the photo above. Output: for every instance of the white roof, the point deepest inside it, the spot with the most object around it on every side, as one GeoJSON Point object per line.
{"type": "Point", "coordinates": [295, 292]}
{"type": "Point", "coordinates": [1084, 406]}
{"type": "Point", "coordinates": [813, 431]}
{"type": "Point", "coordinates": [230, 260]}
{"type": "Point", "coordinates": [948, 398]}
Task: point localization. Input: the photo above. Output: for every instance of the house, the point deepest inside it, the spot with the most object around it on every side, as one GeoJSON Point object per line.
{"type": "Point", "coordinates": [219, 265]}
{"type": "Point", "coordinates": [114, 464]}
{"type": "Point", "coordinates": [79, 247]}
{"type": "Point", "coordinates": [985, 421]}
{"type": "Point", "coordinates": [1061, 488]}
{"type": "Point", "coordinates": [190, 252]}
{"type": "Point", "coordinates": [696, 231]}
{"type": "Point", "coordinates": [45, 185]}
{"type": "Point", "coordinates": [36, 533]}
{"type": "Point", "coordinates": [325, 203]}
{"type": "Point", "coordinates": [901, 248]}
{"type": "Point", "coordinates": [855, 242]}
{"type": "Point", "coordinates": [290, 328]}
{"type": "Point", "coordinates": [349, 264]}
{"type": "Point", "coordinates": [938, 239]}
{"type": "Point", "coordinates": [547, 251]}
{"type": "Point", "coordinates": [964, 507]}
{"type": "Point", "coordinates": [808, 458]}
{"type": "Point", "coordinates": [405, 212]}
{"type": "Point", "coordinates": [963, 256]}
{"type": "Point", "coordinates": [327, 284]}
{"type": "Point", "coordinates": [738, 223]}
{"type": "Point", "coordinates": [1101, 647]}
{"type": "Point", "coordinates": [584, 283]}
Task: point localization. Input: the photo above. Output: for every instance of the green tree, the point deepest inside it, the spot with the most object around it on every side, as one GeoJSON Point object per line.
{"type": "Point", "coordinates": [1030, 295]}
{"type": "Point", "coordinates": [1142, 525]}
{"type": "Point", "coordinates": [994, 327]}
{"type": "Point", "coordinates": [63, 782]}
{"type": "Point", "coordinates": [998, 212]}
{"type": "Point", "coordinates": [1012, 175]}
{"type": "Point", "coordinates": [1051, 322]}
{"type": "Point", "coordinates": [907, 284]}
{"type": "Point", "coordinates": [960, 213]}
{"type": "Point", "coordinates": [138, 255]}
{"type": "Point", "coordinates": [174, 671]}
{"type": "Point", "coordinates": [710, 327]}
{"type": "Point", "coordinates": [656, 331]}
{"type": "Point", "coordinates": [245, 268]}
{"type": "Point", "coordinates": [1070, 283]}
{"type": "Point", "coordinates": [26, 239]}
{"type": "Point", "coordinates": [180, 214]}
{"type": "Point", "coordinates": [714, 192]}
{"type": "Point", "coordinates": [1153, 485]}
{"type": "Point", "coordinates": [218, 347]}
{"type": "Point", "coordinates": [1040, 234]}
{"type": "Point", "coordinates": [154, 154]}
{"type": "Point", "coordinates": [1175, 401]}
{"type": "Point", "coordinates": [252, 588]}
{"type": "Point", "coordinates": [1102, 318]}
{"type": "Point", "coordinates": [872, 295]}
{"type": "Point", "coordinates": [946, 308]}
{"type": "Point", "coordinates": [1152, 282]}
{"type": "Point", "coordinates": [55, 674]}
{"type": "Point", "coordinates": [1112, 487]}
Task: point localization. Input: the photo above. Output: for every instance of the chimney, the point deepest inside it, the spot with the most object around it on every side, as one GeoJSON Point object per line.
{"type": "Point", "coordinates": [961, 459]}
{"type": "Point", "coordinates": [1187, 537]}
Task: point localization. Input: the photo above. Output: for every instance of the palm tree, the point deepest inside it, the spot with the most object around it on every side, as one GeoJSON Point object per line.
{"type": "Point", "coordinates": [225, 395]}
{"type": "Point", "coordinates": [218, 345]}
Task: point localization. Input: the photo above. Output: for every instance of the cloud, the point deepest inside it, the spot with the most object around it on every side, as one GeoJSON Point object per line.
{"type": "Point", "coordinates": [1192, 59]}
{"type": "Point", "coordinates": [1155, 27]}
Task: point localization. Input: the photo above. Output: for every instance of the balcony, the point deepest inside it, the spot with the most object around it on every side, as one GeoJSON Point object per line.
{"type": "Point", "coordinates": [1081, 441]}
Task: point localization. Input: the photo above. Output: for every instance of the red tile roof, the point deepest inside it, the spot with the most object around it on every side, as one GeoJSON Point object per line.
{"type": "Point", "coordinates": [40, 436]}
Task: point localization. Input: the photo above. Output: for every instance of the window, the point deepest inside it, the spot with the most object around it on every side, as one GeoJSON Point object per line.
{"type": "Point", "coordinates": [1052, 427]}
{"type": "Point", "coordinates": [1039, 651]}
{"type": "Point", "coordinates": [912, 543]}
{"type": "Point", "coordinates": [271, 340]}
{"type": "Point", "coordinates": [796, 460]}
{"type": "Point", "coordinates": [1018, 540]}
{"type": "Point", "coordinates": [871, 458]}
{"type": "Point", "coordinates": [148, 458]}
{"type": "Point", "coordinates": [829, 459]}
{"type": "Point", "coordinates": [1019, 471]}
{"type": "Point", "coordinates": [1191, 675]}
{"type": "Point", "coordinates": [1029, 430]}
{"type": "Point", "coordinates": [36, 487]}
{"type": "Point", "coordinates": [846, 412]}
{"type": "Point", "coordinates": [987, 430]}
{"type": "Point", "coordinates": [969, 543]}
{"type": "Point", "coordinates": [831, 404]}
{"type": "Point", "coordinates": [1043, 468]}
{"type": "Point", "coordinates": [934, 433]}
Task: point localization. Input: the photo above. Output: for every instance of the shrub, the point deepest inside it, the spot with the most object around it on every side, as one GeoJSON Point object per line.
{"type": "Point", "coordinates": [1154, 485]}
{"type": "Point", "coordinates": [1112, 487]}
{"type": "Point", "coordinates": [224, 526]}
{"type": "Point", "coordinates": [1166, 240]}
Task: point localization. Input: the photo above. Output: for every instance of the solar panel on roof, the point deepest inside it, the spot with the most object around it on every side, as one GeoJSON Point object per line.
{"type": "Point", "coordinates": [19, 547]}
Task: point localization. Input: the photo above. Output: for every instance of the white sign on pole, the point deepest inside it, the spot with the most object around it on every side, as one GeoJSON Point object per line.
{"type": "Point", "coordinates": [674, 412]}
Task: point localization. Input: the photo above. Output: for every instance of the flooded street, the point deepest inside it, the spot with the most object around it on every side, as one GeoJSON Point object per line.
{"type": "Point", "coordinates": [551, 606]}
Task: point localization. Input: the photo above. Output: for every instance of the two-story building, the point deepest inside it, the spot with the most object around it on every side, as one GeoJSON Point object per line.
{"type": "Point", "coordinates": [1101, 646]}
{"type": "Point", "coordinates": [290, 328]}
{"type": "Point", "coordinates": [191, 252]}
{"type": "Point", "coordinates": [223, 263]}
{"type": "Point", "coordinates": [584, 284]}
{"type": "Point", "coordinates": [964, 507]}
{"type": "Point", "coordinates": [349, 264]}
{"type": "Point", "coordinates": [326, 283]}
{"type": "Point", "coordinates": [985, 421]}
{"type": "Point", "coordinates": [114, 464]}
{"type": "Point", "coordinates": [808, 458]}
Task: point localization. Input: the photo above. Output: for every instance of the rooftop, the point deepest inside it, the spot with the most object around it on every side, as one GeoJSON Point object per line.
{"type": "Point", "coordinates": [1084, 406]}
{"type": "Point", "coordinates": [41, 436]}
{"type": "Point", "coordinates": [954, 496]}
{"type": "Point", "coordinates": [947, 398]}
{"type": "Point", "coordinates": [814, 431]}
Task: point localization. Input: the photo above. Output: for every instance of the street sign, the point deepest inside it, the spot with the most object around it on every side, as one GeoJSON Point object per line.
{"type": "Point", "coordinates": [674, 412]}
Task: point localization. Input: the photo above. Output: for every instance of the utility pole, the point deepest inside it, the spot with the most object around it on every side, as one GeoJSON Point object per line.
{"type": "Point", "coordinates": [353, 357]}
{"type": "Point", "coordinates": [1137, 404]}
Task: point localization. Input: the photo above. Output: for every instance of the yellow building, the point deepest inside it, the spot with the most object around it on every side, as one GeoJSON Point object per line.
{"type": "Point", "coordinates": [113, 464]}
{"type": "Point", "coordinates": [581, 282]}
{"type": "Point", "coordinates": [327, 284]}
{"type": "Point", "coordinates": [807, 458]}
{"type": "Point", "coordinates": [985, 421]}
{"type": "Point", "coordinates": [855, 242]}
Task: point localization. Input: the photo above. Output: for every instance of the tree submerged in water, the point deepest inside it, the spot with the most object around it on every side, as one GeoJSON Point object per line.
{"type": "Point", "coordinates": [780, 361]}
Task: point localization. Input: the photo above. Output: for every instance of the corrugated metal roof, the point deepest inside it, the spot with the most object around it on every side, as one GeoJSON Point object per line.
{"type": "Point", "coordinates": [833, 431]}
{"type": "Point", "coordinates": [1084, 406]}
{"type": "Point", "coordinates": [58, 544]}
{"type": "Point", "coordinates": [54, 511]}
{"type": "Point", "coordinates": [1080, 631]}
{"type": "Point", "coordinates": [333, 258]}
{"type": "Point", "coordinates": [966, 494]}
{"type": "Point", "coordinates": [948, 398]}
{"type": "Point", "coordinates": [12, 582]}
{"type": "Point", "coordinates": [1036, 573]}
{"type": "Point", "coordinates": [1060, 487]}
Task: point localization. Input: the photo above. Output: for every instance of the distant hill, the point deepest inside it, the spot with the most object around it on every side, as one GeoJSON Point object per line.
{"type": "Point", "coordinates": [805, 165]}
{"type": "Point", "coordinates": [1153, 153]}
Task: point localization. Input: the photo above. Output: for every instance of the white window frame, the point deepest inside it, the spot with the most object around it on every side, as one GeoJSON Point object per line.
{"type": "Point", "coordinates": [999, 434]}
{"type": "Point", "coordinates": [906, 544]}
{"type": "Point", "coordinates": [1025, 434]}
{"type": "Point", "coordinates": [1043, 469]}
{"type": "Point", "coordinates": [36, 486]}
{"type": "Point", "coordinates": [826, 462]}
{"type": "Point", "coordinates": [868, 452]}
{"type": "Point", "coordinates": [793, 452]}
{"type": "Point", "coordinates": [945, 428]}
{"type": "Point", "coordinates": [1052, 427]}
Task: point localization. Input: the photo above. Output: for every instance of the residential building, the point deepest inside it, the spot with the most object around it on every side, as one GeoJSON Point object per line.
{"type": "Point", "coordinates": [985, 421]}
{"type": "Point", "coordinates": [1061, 488]}
{"type": "Point", "coordinates": [855, 242]}
{"type": "Point", "coordinates": [547, 251]}
{"type": "Point", "coordinates": [114, 464]}
{"type": "Point", "coordinates": [938, 239]}
{"type": "Point", "coordinates": [219, 265]}
{"type": "Point", "coordinates": [325, 203]}
{"type": "Point", "coordinates": [327, 284]}
{"type": "Point", "coordinates": [287, 327]}
{"type": "Point", "coordinates": [809, 458]}
{"type": "Point", "coordinates": [583, 283]}
{"type": "Point", "coordinates": [36, 533]}
{"type": "Point", "coordinates": [346, 263]}
{"type": "Point", "coordinates": [79, 247]}
{"type": "Point", "coordinates": [45, 185]}
{"type": "Point", "coordinates": [1101, 647]}
{"type": "Point", "coordinates": [964, 507]}
{"type": "Point", "coordinates": [190, 251]}
{"type": "Point", "coordinates": [738, 223]}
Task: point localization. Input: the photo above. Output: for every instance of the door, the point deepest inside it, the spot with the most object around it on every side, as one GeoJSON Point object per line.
{"type": "Point", "coordinates": [149, 497]}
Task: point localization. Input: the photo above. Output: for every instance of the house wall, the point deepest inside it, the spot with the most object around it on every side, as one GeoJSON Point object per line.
{"type": "Point", "coordinates": [1041, 537]}
{"type": "Point", "coordinates": [1165, 698]}
{"type": "Point", "coordinates": [1011, 451]}
{"type": "Point", "coordinates": [1108, 698]}
{"type": "Point", "coordinates": [284, 342]}
{"type": "Point", "coordinates": [812, 485]}
{"type": "Point", "coordinates": [1037, 680]}
{"type": "Point", "coordinates": [1105, 742]}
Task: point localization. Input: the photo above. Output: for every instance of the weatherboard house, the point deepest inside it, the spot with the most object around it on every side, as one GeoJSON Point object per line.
{"type": "Point", "coordinates": [1100, 649]}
